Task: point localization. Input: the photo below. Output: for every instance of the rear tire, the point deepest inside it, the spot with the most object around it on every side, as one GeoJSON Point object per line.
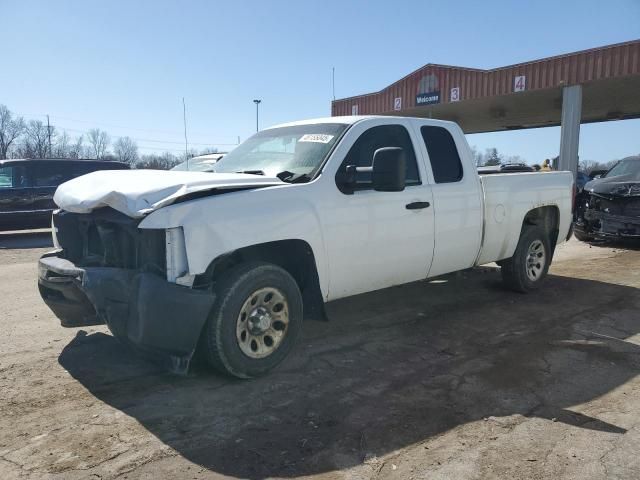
{"type": "Point", "coordinates": [255, 320]}
{"type": "Point", "coordinates": [530, 262]}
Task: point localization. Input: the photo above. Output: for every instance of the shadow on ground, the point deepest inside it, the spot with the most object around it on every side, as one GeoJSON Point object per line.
{"type": "Point", "coordinates": [25, 239]}
{"type": "Point", "coordinates": [391, 369]}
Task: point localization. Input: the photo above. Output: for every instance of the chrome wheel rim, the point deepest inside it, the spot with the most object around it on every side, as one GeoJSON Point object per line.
{"type": "Point", "coordinates": [262, 323]}
{"type": "Point", "coordinates": [536, 260]}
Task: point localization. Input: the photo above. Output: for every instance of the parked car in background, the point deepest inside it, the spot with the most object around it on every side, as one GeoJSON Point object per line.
{"type": "Point", "coordinates": [596, 173]}
{"type": "Point", "coordinates": [203, 163]}
{"type": "Point", "coordinates": [609, 206]}
{"type": "Point", "coordinates": [27, 187]}
{"type": "Point", "coordinates": [581, 180]}
{"type": "Point", "coordinates": [505, 168]}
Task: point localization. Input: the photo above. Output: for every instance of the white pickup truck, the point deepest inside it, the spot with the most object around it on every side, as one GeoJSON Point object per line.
{"type": "Point", "coordinates": [298, 215]}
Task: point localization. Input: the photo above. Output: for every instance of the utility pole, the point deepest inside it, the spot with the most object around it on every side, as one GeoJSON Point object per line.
{"type": "Point", "coordinates": [333, 82]}
{"type": "Point", "coordinates": [257, 102]}
{"type": "Point", "coordinates": [49, 133]}
{"type": "Point", "coordinates": [186, 144]}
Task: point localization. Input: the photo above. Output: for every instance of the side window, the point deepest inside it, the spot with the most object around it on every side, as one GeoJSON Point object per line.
{"type": "Point", "coordinates": [443, 154]}
{"type": "Point", "coordinates": [361, 153]}
{"type": "Point", "coordinates": [78, 169]}
{"type": "Point", "coordinates": [51, 175]}
{"type": "Point", "coordinates": [13, 177]}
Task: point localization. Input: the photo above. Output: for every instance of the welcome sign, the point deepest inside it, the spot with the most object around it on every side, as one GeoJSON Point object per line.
{"type": "Point", "coordinates": [428, 98]}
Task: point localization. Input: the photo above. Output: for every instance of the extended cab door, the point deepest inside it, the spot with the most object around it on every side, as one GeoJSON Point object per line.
{"type": "Point", "coordinates": [377, 239]}
{"type": "Point", "coordinates": [457, 195]}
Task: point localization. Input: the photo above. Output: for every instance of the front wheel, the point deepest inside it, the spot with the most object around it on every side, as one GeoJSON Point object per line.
{"type": "Point", "coordinates": [255, 320]}
{"type": "Point", "coordinates": [530, 262]}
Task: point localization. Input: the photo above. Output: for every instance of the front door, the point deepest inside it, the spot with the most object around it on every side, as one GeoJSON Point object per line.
{"type": "Point", "coordinates": [15, 198]}
{"type": "Point", "coordinates": [379, 239]}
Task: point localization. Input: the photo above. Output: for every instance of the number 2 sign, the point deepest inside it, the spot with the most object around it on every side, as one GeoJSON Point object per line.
{"type": "Point", "coordinates": [519, 83]}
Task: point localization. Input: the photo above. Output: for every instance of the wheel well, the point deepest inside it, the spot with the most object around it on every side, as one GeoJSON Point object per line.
{"type": "Point", "coordinates": [546, 217]}
{"type": "Point", "coordinates": [294, 256]}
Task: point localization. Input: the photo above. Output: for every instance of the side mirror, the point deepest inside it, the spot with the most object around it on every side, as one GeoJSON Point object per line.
{"type": "Point", "coordinates": [389, 172]}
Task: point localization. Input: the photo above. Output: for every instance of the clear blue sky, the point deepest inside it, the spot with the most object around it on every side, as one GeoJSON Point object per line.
{"type": "Point", "coordinates": [124, 66]}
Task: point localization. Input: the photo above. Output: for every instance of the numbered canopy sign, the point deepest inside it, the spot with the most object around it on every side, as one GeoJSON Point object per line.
{"type": "Point", "coordinates": [397, 103]}
{"type": "Point", "coordinates": [519, 83]}
{"type": "Point", "coordinates": [455, 94]}
{"type": "Point", "coordinates": [354, 109]}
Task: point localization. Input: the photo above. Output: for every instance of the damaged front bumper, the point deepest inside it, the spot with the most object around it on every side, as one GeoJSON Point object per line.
{"type": "Point", "coordinates": [140, 308]}
{"type": "Point", "coordinates": [603, 224]}
{"type": "Point", "coordinates": [607, 216]}
{"type": "Point", "coordinates": [606, 225]}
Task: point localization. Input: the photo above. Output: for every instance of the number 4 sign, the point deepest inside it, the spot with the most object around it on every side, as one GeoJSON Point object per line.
{"type": "Point", "coordinates": [519, 83]}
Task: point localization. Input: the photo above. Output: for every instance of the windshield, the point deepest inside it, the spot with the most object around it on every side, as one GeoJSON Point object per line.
{"type": "Point", "coordinates": [625, 167]}
{"type": "Point", "coordinates": [287, 152]}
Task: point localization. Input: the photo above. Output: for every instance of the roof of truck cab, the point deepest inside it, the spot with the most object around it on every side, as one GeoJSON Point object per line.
{"type": "Point", "coordinates": [352, 119]}
{"type": "Point", "coordinates": [77, 161]}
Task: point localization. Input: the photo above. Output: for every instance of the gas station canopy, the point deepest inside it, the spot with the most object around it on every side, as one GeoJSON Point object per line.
{"type": "Point", "coordinates": [525, 95]}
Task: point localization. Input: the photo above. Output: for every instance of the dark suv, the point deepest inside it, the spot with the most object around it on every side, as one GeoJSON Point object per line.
{"type": "Point", "coordinates": [27, 188]}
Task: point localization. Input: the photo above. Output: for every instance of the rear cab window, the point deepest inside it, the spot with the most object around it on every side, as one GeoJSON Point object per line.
{"type": "Point", "coordinates": [52, 174]}
{"type": "Point", "coordinates": [443, 154]}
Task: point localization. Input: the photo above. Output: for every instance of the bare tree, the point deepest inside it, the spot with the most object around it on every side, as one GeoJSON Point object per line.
{"type": "Point", "coordinates": [126, 150]}
{"type": "Point", "coordinates": [477, 156]}
{"type": "Point", "coordinates": [36, 141]}
{"type": "Point", "coordinates": [62, 147]}
{"type": "Point", "coordinates": [10, 129]}
{"type": "Point", "coordinates": [158, 162]}
{"type": "Point", "coordinates": [76, 150]}
{"type": "Point", "coordinates": [492, 157]}
{"type": "Point", "coordinates": [99, 142]}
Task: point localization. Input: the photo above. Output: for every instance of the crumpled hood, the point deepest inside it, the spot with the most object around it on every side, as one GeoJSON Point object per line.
{"type": "Point", "coordinates": [139, 192]}
{"type": "Point", "coordinates": [619, 186]}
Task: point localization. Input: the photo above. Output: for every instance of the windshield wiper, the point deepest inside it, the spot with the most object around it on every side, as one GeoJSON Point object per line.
{"type": "Point", "coordinates": [291, 177]}
{"type": "Point", "coordinates": [251, 172]}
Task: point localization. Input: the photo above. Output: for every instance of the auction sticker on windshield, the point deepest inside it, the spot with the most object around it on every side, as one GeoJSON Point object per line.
{"type": "Point", "coordinates": [316, 137]}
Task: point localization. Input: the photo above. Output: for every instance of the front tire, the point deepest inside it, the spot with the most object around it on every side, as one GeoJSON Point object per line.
{"type": "Point", "coordinates": [529, 265]}
{"type": "Point", "coordinates": [255, 320]}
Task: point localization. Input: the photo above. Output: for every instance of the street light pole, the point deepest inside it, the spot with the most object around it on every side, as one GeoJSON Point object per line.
{"type": "Point", "coordinates": [257, 102]}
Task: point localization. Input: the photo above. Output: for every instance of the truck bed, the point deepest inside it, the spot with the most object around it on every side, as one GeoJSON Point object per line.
{"type": "Point", "coordinates": [507, 199]}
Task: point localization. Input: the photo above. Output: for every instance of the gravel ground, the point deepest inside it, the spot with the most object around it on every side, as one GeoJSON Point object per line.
{"type": "Point", "coordinates": [450, 379]}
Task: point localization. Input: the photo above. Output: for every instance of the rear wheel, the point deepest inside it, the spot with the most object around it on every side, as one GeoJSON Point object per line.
{"type": "Point", "coordinates": [530, 262]}
{"type": "Point", "coordinates": [255, 320]}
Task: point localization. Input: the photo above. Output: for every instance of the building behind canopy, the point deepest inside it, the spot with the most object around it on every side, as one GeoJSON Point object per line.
{"type": "Point", "coordinates": [594, 85]}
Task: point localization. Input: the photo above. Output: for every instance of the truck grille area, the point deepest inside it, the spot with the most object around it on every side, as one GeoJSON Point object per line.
{"type": "Point", "coordinates": [627, 206]}
{"type": "Point", "coordinates": [108, 238]}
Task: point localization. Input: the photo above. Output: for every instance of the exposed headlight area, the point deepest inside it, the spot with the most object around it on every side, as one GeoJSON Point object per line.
{"type": "Point", "coordinates": [107, 238]}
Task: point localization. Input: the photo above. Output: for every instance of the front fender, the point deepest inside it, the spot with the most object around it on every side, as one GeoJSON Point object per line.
{"type": "Point", "coordinates": [217, 225]}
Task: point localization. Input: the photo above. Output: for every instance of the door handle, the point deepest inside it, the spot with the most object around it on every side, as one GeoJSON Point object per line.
{"type": "Point", "coordinates": [417, 205]}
